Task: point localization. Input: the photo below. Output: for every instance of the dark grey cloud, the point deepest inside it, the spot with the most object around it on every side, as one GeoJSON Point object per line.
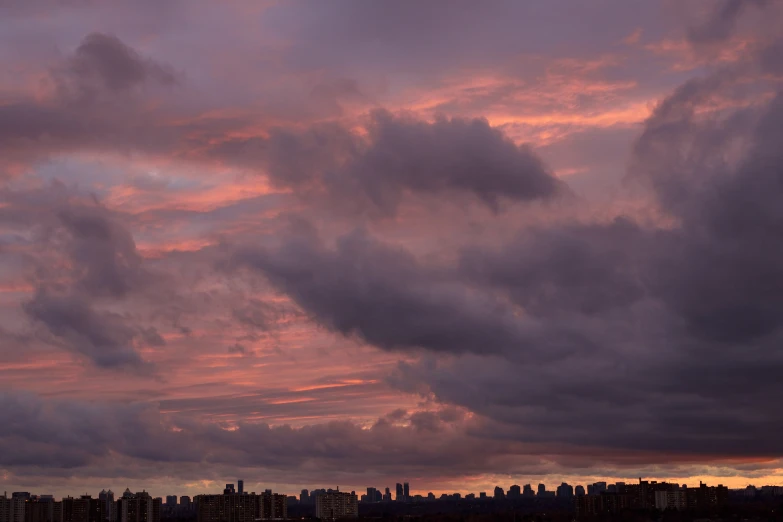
{"type": "Point", "coordinates": [105, 59]}
{"type": "Point", "coordinates": [721, 21]}
{"type": "Point", "coordinates": [383, 294]}
{"type": "Point", "coordinates": [669, 333]}
{"type": "Point", "coordinates": [588, 269]}
{"type": "Point", "coordinates": [94, 102]}
{"type": "Point", "coordinates": [83, 264]}
{"type": "Point", "coordinates": [448, 154]}
{"type": "Point", "coordinates": [73, 434]}
{"type": "Point", "coordinates": [682, 322]}
{"type": "Point", "coordinates": [370, 174]}
{"type": "Point", "coordinates": [103, 252]}
{"type": "Point", "coordinates": [79, 439]}
{"type": "Point", "coordinates": [105, 338]}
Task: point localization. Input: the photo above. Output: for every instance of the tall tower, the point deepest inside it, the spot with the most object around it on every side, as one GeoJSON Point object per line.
{"type": "Point", "coordinates": [241, 486]}
{"type": "Point", "coordinates": [406, 492]}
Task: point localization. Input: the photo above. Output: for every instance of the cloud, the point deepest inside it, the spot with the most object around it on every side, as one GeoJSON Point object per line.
{"type": "Point", "coordinates": [668, 332]}
{"type": "Point", "coordinates": [721, 21]}
{"type": "Point", "coordinates": [105, 59]}
{"type": "Point", "coordinates": [104, 338]}
{"type": "Point", "coordinates": [77, 439]}
{"type": "Point", "coordinates": [371, 173]}
{"type": "Point", "coordinates": [93, 99]}
{"type": "Point", "coordinates": [383, 295]}
{"type": "Point", "coordinates": [83, 266]}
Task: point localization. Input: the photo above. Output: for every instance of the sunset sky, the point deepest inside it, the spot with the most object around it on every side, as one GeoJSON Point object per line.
{"type": "Point", "coordinates": [460, 244]}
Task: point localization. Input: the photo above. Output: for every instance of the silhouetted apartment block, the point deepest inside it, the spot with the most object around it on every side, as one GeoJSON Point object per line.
{"type": "Point", "coordinates": [138, 507]}
{"type": "Point", "coordinates": [40, 509]}
{"type": "Point", "coordinates": [272, 506]}
{"type": "Point", "coordinates": [671, 499]}
{"type": "Point", "coordinates": [5, 508]}
{"type": "Point", "coordinates": [228, 507]}
{"type": "Point", "coordinates": [334, 505]}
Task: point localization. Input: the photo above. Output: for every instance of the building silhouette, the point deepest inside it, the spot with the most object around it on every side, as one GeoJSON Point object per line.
{"type": "Point", "coordinates": [334, 505]}
{"type": "Point", "coordinates": [109, 506]}
{"type": "Point", "coordinates": [136, 507]}
{"type": "Point", "coordinates": [406, 492]}
{"type": "Point", "coordinates": [565, 491]}
{"type": "Point", "coordinates": [400, 496]}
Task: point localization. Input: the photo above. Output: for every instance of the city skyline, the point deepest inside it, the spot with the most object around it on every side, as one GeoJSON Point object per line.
{"type": "Point", "coordinates": [512, 490]}
{"type": "Point", "coordinates": [364, 243]}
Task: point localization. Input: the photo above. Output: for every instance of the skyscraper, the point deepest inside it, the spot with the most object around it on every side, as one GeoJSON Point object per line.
{"type": "Point", "coordinates": [527, 491]}
{"type": "Point", "coordinates": [514, 491]}
{"type": "Point", "coordinates": [109, 507]}
{"type": "Point", "coordinates": [565, 491]}
{"type": "Point", "coordinates": [400, 495]}
{"type": "Point", "coordinates": [499, 493]}
{"type": "Point", "coordinates": [541, 490]}
{"type": "Point", "coordinates": [241, 486]}
{"type": "Point", "coordinates": [406, 492]}
{"type": "Point", "coordinates": [304, 497]}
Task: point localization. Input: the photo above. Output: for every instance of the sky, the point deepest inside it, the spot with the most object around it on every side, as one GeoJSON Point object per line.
{"type": "Point", "coordinates": [350, 243]}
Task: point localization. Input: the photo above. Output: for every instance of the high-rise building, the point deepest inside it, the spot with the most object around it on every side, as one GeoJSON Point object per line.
{"type": "Point", "coordinates": [527, 491]}
{"type": "Point", "coordinates": [271, 506]}
{"type": "Point", "coordinates": [671, 499]}
{"type": "Point", "coordinates": [39, 509]}
{"type": "Point", "coordinates": [371, 494]}
{"type": "Point", "coordinates": [482, 494]}
{"type": "Point", "coordinates": [106, 498]}
{"type": "Point", "coordinates": [228, 507]}
{"type": "Point", "coordinates": [541, 490]}
{"type": "Point", "coordinates": [229, 489]}
{"type": "Point", "coordinates": [565, 491]}
{"type": "Point", "coordinates": [596, 488]}
{"type": "Point", "coordinates": [5, 508]}
{"type": "Point", "coordinates": [240, 486]}
{"type": "Point", "coordinates": [514, 491]}
{"type": "Point", "coordinates": [387, 496]}
{"type": "Point", "coordinates": [334, 505]}
{"type": "Point", "coordinates": [17, 505]}
{"type": "Point", "coordinates": [400, 493]}
{"type": "Point", "coordinates": [579, 491]}
{"type": "Point", "coordinates": [499, 493]}
{"type": "Point", "coordinates": [138, 507]}
{"type": "Point", "coordinates": [304, 497]}
{"type": "Point", "coordinates": [406, 491]}
{"type": "Point", "coordinates": [82, 509]}
{"type": "Point", "coordinates": [171, 501]}
{"type": "Point", "coordinates": [185, 503]}
{"type": "Point", "coordinates": [58, 511]}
